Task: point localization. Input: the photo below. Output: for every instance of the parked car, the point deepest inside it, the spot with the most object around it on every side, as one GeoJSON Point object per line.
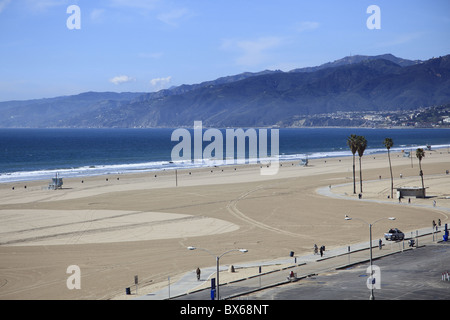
{"type": "Point", "coordinates": [394, 235]}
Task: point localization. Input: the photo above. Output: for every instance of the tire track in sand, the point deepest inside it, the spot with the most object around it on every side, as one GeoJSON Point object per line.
{"type": "Point", "coordinates": [232, 208]}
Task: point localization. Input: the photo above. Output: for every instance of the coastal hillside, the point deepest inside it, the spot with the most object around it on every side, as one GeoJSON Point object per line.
{"type": "Point", "coordinates": [352, 84]}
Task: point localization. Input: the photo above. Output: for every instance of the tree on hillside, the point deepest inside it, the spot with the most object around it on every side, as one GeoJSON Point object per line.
{"type": "Point", "coordinates": [388, 142]}
{"type": "Point", "coordinates": [420, 154]}
{"type": "Point", "coordinates": [351, 142]}
{"type": "Point", "coordinates": [361, 144]}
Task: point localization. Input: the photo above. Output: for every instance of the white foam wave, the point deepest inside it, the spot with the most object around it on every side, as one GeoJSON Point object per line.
{"type": "Point", "coordinates": [180, 164]}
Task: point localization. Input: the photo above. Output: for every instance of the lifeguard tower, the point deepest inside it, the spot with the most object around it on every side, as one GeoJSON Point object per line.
{"type": "Point", "coordinates": [57, 183]}
{"type": "Point", "coordinates": [304, 162]}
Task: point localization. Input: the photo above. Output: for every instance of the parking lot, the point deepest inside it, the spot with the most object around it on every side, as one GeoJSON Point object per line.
{"type": "Point", "coordinates": [410, 275]}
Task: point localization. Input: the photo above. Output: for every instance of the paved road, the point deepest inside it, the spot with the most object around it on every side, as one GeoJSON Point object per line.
{"type": "Point", "coordinates": [414, 274]}
{"type": "Point", "coordinates": [411, 275]}
{"type": "Point", "coordinates": [339, 275]}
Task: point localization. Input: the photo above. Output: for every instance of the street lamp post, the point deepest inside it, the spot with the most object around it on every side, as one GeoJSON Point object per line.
{"type": "Point", "coordinates": [217, 262]}
{"type": "Point", "coordinates": [372, 297]}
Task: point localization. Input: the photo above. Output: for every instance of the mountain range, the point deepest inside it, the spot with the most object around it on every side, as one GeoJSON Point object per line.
{"type": "Point", "coordinates": [267, 98]}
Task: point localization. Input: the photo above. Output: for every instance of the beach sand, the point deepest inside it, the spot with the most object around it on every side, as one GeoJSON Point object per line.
{"type": "Point", "coordinates": [117, 226]}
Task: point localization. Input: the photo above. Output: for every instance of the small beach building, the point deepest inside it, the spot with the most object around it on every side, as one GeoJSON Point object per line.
{"type": "Point", "coordinates": [417, 192]}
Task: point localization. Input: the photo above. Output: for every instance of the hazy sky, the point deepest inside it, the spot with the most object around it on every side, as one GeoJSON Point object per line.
{"type": "Point", "coordinates": [147, 45]}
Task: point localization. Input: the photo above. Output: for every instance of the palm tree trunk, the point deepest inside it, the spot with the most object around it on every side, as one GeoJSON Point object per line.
{"type": "Point", "coordinates": [360, 176]}
{"type": "Point", "coordinates": [421, 174]}
{"type": "Point", "coordinates": [354, 179]}
{"type": "Point", "coordinates": [392, 178]}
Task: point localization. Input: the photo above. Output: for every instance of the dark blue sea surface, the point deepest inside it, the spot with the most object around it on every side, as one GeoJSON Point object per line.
{"type": "Point", "coordinates": [30, 154]}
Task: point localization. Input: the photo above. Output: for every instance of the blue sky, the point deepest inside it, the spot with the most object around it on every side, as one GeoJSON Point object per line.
{"type": "Point", "coordinates": [148, 45]}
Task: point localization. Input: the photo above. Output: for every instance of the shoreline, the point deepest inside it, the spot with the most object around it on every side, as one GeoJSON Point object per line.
{"type": "Point", "coordinates": [94, 224]}
{"type": "Point", "coordinates": [82, 172]}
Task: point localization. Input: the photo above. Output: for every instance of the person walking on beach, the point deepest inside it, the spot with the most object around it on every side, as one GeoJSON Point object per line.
{"type": "Point", "coordinates": [380, 244]}
{"type": "Point", "coordinates": [321, 251]}
{"type": "Point", "coordinates": [198, 273]}
{"type": "Point", "coordinates": [315, 249]}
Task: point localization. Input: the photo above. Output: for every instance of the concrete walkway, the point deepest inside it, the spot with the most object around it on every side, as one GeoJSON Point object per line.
{"type": "Point", "coordinates": [327, 191]}
{"type": "Point", "coordinates": [312, 264]}
{"type": "Point", "coordinates": [304, 266]}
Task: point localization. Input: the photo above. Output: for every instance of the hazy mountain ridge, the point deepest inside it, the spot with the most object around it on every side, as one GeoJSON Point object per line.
{"type": "Point", "coordinates": [360, 58]}
{"type": "Point", "coordinates": [355, 83]}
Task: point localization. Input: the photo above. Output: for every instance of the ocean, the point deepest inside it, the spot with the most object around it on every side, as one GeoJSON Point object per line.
{"type": "Point", "coordinates": [35, 154]}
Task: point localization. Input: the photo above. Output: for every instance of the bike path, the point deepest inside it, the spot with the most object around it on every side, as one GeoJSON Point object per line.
{"type": "Point", "coordinates": [303, 266]}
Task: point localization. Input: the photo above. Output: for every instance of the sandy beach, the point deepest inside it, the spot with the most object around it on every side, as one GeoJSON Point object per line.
{"type": "Point", "coordinates": [117, 226]}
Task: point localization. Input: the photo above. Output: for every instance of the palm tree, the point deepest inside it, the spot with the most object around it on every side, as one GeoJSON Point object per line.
{"type": "Point", "coordinates": [388, 142]}
{"type": "Point", "coordinates": [361, 144]}
{"type": "Point", "coordinates": [351, 142]}
{"type": "Point", "coordinates": [420, 154]}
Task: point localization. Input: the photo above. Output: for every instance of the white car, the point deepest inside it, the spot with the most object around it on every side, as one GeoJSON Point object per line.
{"type": "Point", "coordinates": [394, 235]}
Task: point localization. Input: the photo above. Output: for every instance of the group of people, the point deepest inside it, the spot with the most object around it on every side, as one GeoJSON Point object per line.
{"type": "Point", "coordinates": [317, 250]}
{"type": "Point", "coordinates": [436, 226]}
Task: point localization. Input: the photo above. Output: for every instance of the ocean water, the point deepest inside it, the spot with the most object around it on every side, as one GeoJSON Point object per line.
{"type": "Point", "coordinates": [32, 154]}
